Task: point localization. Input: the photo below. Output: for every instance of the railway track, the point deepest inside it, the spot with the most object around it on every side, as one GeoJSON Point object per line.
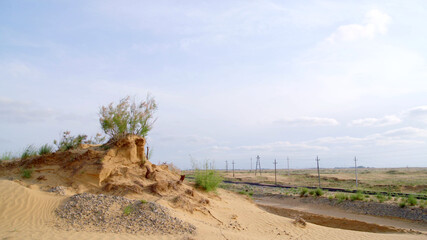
{"type": "Point", "coordinates": [393, 194]}
{"type": "Point", "coordinates": [368, 192]}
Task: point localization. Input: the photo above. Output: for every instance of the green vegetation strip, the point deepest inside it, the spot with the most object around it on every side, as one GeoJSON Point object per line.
{"type": "Point", "coordinates": [393, 194]}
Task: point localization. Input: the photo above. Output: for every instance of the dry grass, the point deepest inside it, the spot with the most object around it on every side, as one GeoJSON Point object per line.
{"type": "Point", "coordinates": [406, 180]}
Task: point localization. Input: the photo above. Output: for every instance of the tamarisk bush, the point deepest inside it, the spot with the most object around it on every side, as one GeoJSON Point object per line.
{"type": "Point", "coordinates": [128, 117]}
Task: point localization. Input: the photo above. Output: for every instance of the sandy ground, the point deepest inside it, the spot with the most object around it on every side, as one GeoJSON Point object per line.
{"type": "Point", "coordinates": [28, 213]}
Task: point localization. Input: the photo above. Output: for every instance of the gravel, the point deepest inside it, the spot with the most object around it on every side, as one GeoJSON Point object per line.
{"type": "Point", "coordinates": [361, 207]}
{"type": "Point", "coordinates": [59, 190]}
{"type": "Point", "coordinates": [105, 213]}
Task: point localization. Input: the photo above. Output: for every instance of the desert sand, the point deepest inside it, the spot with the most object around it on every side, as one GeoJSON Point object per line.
{"type": "Point", "coordinates": [27, 209]}
{"type": "Point", "coordinates": [27, 213]}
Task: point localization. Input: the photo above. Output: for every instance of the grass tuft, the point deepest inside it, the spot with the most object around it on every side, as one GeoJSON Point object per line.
{"type": "Point", "coordinates": [357, 196]}
{"type": "Point", "coordinates": [45, 149]}
{"type": "Point", "coordinates": [394, 172]}
{"type": "Point", "coordinates": [128, 210]}
{"type": "Point", "coordinates": [6, 156]}
{"type": "Point", "coordinates": [381, 198]}
{"type": "Point", "coordinates": [69, 142]}
{"type": "Point", "coordinates": [29, 151]}
{"type": "Point", "coordinates": [412, 201]}
{"type": "Point", "coordinates": [303, 192]}
{"type": "Point", "coordinates": [341, 197]}
{"type": "Point", "coordinates": [246, 192]}
{"type": "Point", "coordinates": [318, 192]}
{"type": "Point", "coordinates": [26, 173]}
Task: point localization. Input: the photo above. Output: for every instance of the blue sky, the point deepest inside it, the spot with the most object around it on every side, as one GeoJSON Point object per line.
{"type": "Point", "coordinates": [233, 79]}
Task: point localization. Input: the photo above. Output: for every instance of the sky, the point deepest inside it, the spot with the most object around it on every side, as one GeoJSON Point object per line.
{"type": "Point", "coordinates": [232, 79]}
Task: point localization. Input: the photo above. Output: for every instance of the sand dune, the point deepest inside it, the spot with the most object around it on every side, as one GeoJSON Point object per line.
{"type": "Point", "coordinates": [29, 214]}
{"type": "Point", "coordinates": [27, 210]}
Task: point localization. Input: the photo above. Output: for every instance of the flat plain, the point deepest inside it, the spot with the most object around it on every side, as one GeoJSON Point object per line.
{"type": "Point", "coordinates": [404, 180]}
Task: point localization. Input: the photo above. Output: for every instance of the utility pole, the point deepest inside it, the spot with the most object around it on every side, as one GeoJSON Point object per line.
{"type": "Point", "coordinates": [233, 168]}
{"type": "Point", "coordinates": [318, 172]}
{"type": "Point", "coordinates": [148, 153]}
{"type": "Point", "coordinates": [289, 172]}
{"type": "Point", "coordinates": [251, 166]}
{"type": "Point", "coordinates": [226, 166]}
{"type": "Point", "coordinates": [275, 177]}
{"type": "Point", "coordinates": [258, 165]}
{"type": "Point", "coordinates": [355, 168]}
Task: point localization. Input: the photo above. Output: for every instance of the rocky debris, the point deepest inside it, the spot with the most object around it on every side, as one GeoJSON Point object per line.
{"type": "Point", "coordinates": [381, 209]}
{"type": "Point", "coordinates": [42, 178]}
{"type": "Point", "coordinates": [235, 225]}
{"type": "Point", "coordinates": [104, 213]}
{"type": "Point", "coordinates": [60, 190]}
{"type": "Point", "coordinates": [299, 221]}
{"type": "Point", "coordinates": [361, 207]}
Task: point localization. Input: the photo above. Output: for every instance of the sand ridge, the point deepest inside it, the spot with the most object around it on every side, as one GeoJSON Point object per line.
{"type": "Point", "coordinates": [27, 210]}
{"type": "Point", "coordinates": [233, 217]}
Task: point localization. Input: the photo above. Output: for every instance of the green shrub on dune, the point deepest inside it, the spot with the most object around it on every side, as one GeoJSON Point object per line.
{"type": "Point", "coordinates": [206, 178]}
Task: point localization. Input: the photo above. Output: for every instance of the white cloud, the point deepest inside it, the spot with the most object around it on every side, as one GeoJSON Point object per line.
{"type": "Point", "coordinates": [407, 132]}
{"type": "Point", "coordinates": [189, 139]}
{"type": "Point", "coordinates": [376, 122]}
{"type": "Point", "coordinates": [282, 146]}
{"type": "Point", "coordinates": [406, 135]}
{"type": "Point", "coordinates": [273, 147]}
{"type": "Point", "coordinates": [376, 22]}
{"type": "Point", "coordinates": [18, 70]}
{"type": "Point", "coordinates": [12, 111]}
{"type": "Point", "coordinates": [338, 140]}
{"type": "Point", "coordinates": [417, 113]}
{"type": "Point", "coordinates": [219, 148]}
{"type": "Point", "coordinates": [15, 111]}
{"type": "Point", "coordinates": [308, 121]}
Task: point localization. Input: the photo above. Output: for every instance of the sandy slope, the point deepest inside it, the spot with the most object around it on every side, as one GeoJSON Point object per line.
{"type": "Point", "coordinates": [28, 214]}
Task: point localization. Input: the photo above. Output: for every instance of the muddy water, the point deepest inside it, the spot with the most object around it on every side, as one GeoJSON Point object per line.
{"type": "Point", "coordinates": [326, 215]}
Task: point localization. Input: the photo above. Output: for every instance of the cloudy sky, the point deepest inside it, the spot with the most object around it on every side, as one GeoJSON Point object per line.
{"type": "Point", "coordinates": [233, 79]}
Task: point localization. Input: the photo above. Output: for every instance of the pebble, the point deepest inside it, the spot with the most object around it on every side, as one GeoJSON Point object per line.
{"type": "Point", "coordinates": [104, 213]}
{"type": "Point", "coordinates": [59, 190]}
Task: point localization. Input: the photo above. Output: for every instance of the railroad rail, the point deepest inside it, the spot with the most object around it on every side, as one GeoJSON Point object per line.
{"type": "Point", "coordinates": [369, 192]}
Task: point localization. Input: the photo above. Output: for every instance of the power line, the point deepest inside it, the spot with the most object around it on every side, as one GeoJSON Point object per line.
{"type": "Point", "coordinates": [275, 177]}
{"type": "Point", "coordinates": [355, 168]}
{"type": "Point", "coordinates": [233, 168]}
{"type": "Point", "coordinates": [318, 172]}
{"type": "Point", "coordinates": [258, 165]}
